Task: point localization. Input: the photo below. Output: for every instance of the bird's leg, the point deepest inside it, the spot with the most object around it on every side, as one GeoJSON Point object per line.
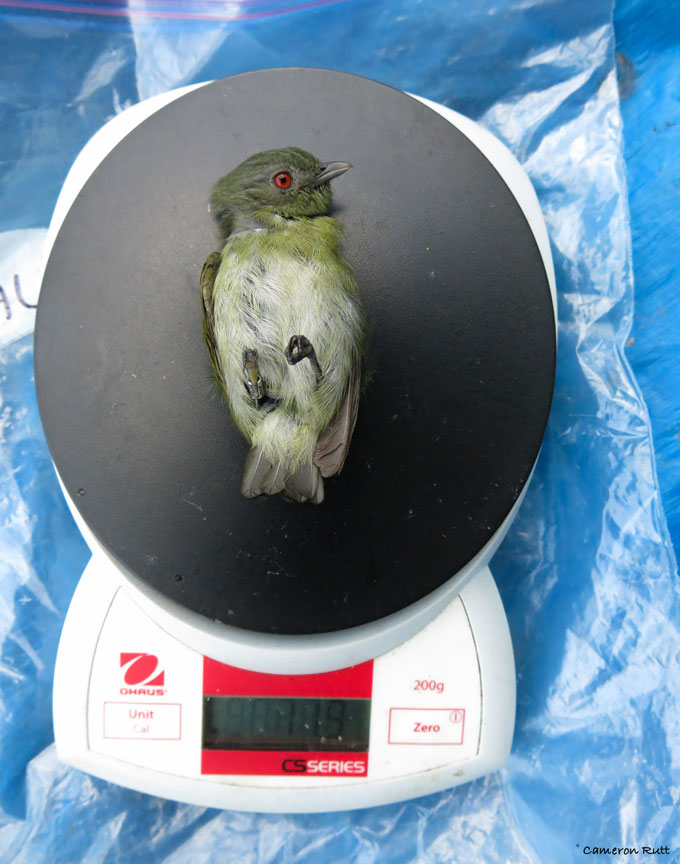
{"type": "Point", "coordinates": [254, 383]}
{"type": "Point", "coordinates": [300, 347]}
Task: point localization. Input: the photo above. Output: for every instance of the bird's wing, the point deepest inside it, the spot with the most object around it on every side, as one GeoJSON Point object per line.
{"type": "Point", "coordinates": [208, 274]}
{"type": "Point", "coordinates": [333, 443]}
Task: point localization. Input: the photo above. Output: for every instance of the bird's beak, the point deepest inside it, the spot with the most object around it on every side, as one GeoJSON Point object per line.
{"type": "Point", "coordinates": [331, 170]}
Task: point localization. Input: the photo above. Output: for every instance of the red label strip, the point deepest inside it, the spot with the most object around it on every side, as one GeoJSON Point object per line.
{"type": "Point", "coordinates": [294, 763]}
{"type": "Point", "coordinates": [219, 679]}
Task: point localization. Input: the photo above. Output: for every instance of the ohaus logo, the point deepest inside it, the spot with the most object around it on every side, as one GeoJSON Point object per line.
{"type": "Point", "coordinates": [143, 670]}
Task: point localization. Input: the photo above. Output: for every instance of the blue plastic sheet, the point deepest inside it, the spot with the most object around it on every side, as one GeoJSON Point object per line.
{"type": "Point", "coordinates": [650, 104]}
{"type": "Point", "coordinates": [587, 572]}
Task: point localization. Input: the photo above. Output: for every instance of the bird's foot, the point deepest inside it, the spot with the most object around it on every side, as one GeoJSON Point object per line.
{"type": "Point", "coordinates": [300, 347]}
{"type": "Point", "coordinates": [254, 382]}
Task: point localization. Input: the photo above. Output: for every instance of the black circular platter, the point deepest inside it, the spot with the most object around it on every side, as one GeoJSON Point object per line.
{"type": "Point", "coordinates": [461, 358]}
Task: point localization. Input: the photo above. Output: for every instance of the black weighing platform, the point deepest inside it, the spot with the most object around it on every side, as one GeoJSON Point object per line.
{"type": "Point", "coordinates": [462, 353]}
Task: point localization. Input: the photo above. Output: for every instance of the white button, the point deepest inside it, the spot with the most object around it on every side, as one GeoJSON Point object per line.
{"type": "Point", "coordinates": [426, 726]}
{"type": "Point", "coordinates": [149, 721]}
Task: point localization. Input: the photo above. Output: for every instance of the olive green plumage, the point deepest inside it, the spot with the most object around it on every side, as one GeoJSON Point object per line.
{"type": "Point", "coordinates": [283, 321]}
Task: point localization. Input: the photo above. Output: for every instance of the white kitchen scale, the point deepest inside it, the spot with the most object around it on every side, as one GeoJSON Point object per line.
{"type": "Point", "coordinates": [158, 696]}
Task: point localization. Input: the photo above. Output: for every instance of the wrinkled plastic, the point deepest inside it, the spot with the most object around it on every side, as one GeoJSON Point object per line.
{"type": "Point", "coordinates": [647, 60]}
{"type": "Point", "coordinates": [587, 571]}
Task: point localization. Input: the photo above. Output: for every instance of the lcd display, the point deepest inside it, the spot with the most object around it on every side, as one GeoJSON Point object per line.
{"type": "Point", "coordinates": [276, 723]}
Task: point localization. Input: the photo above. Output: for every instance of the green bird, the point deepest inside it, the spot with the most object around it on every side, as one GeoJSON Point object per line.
{"type": "Point", "coordinates": [283, 322]}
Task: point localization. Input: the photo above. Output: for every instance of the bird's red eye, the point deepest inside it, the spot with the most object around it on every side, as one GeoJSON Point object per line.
{"type": "Point", "coordinates": [282, 180]}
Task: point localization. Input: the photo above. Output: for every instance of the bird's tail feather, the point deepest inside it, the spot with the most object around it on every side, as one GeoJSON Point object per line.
{"type": "Point", "coordinates": [260, 477]}
{"type": "Point", "coordinates": [306, 484]}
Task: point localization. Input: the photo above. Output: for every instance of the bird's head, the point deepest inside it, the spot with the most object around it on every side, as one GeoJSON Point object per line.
{"type": "Point", "coordinates": [288, 182]}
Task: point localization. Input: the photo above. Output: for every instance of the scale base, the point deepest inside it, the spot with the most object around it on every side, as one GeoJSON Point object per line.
{"type": "Point", "coordinates": [140, 656]}
{"type": "Point", "coordinates": [129, 702]}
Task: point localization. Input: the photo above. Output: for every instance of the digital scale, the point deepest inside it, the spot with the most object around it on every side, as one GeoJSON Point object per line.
{"type": "Point", "coordinates": [259, 655]}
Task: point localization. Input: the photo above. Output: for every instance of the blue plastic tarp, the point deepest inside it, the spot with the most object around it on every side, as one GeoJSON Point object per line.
{"type": "Point", "coordinates": [588, 570]}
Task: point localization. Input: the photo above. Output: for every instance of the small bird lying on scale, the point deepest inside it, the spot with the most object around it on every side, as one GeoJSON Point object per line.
{"type": "Point", "coordinates": [283, 321]}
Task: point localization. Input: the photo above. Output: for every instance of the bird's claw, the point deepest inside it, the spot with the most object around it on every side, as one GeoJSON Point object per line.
{"type": "Point", "coordinates": [300, 347]}
{"type": "Point", "coordinates": [297, 349]}
{"type": "Point", "coordinates": [254, 383]}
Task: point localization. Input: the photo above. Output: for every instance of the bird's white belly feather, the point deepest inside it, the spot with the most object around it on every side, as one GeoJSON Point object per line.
{"type": "Point", "coordinates": [262, 308]}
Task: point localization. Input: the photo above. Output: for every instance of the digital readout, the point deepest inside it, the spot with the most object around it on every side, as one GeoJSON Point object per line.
{"type": "Point", "coordinates": [274, 723]}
